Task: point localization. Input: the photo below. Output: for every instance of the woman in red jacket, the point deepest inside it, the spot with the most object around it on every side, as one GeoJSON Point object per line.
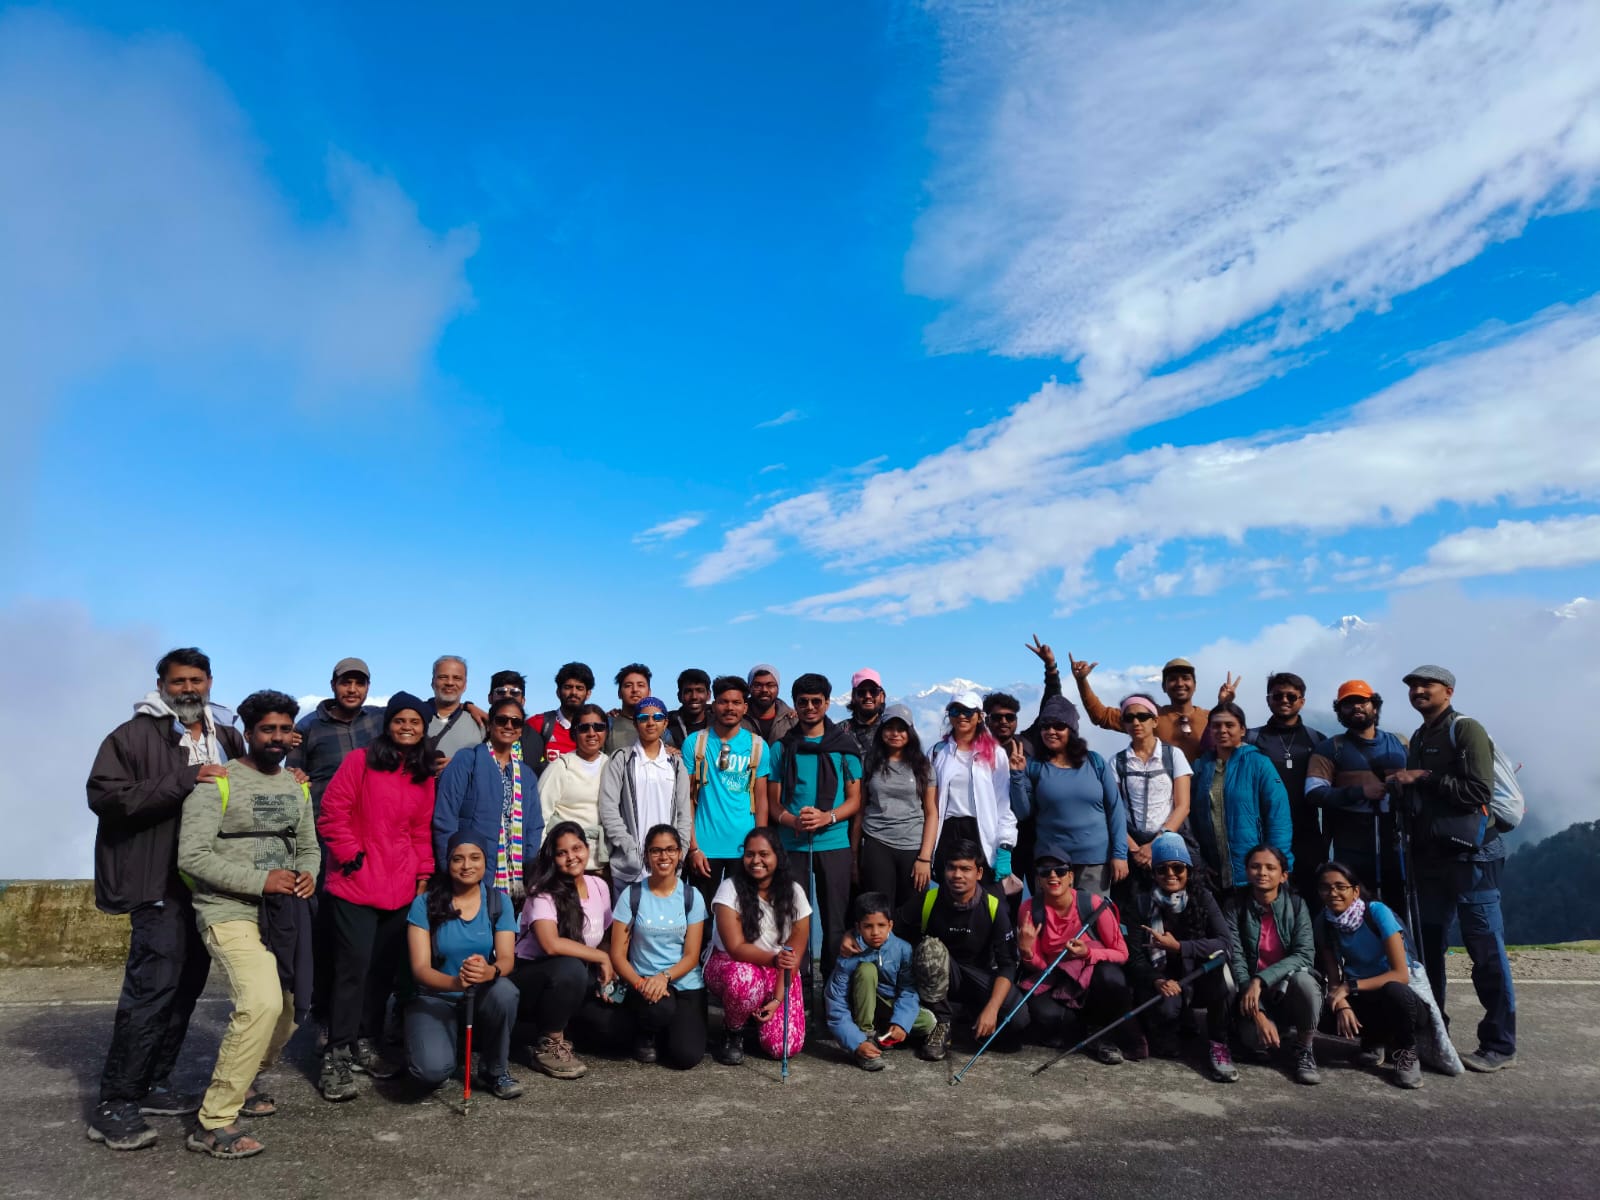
{"type": "Point", "coordinates": [376, 822]}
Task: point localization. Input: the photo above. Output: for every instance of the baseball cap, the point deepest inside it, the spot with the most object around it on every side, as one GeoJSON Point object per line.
{"type": "Point", "coordinates": [1430, 673]}
{"type": "Point", "coordinates": [1354, 687]}
{"type": "Point", "coordinates": [865, 675]}
{"type": "Point", "coordinates": [899, 712]}
{"type": "Point", "coordinates": [1178, 664]}
{"type": "Point", "coordinates": [967, 699]}
{"type": "Point", "coordinates": [351, 666]}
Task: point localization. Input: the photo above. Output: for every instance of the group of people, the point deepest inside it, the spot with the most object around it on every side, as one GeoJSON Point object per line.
{"type": "Point", "coordinates": [599, 876]}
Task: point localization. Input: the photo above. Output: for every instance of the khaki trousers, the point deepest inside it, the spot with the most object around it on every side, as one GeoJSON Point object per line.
{"type": "Point", "coordinates": [262, 1020]}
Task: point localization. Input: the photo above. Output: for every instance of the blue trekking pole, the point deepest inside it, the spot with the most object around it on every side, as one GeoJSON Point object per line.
{"type": "Point", "coordinates": [1086, 930]}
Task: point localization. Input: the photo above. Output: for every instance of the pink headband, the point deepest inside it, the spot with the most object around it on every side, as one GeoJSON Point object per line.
{"type": "Point", "coordinates": [1140, 702]}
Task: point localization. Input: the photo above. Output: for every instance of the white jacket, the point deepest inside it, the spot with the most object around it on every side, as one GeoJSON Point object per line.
{"type": "Point", "coordinates": [991, 796]}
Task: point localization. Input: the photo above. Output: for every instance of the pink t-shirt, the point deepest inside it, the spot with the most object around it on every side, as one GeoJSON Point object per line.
{"type": "Point", "coordinates": [1270, 949]}
{"type": "Point", "coordinates": [542, 907]}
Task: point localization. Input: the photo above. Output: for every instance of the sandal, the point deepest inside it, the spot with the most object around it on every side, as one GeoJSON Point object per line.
{"type": "Point", "coordinates": [258, 1104]}
{"type": "Point", "coordinates": [222, 1143]}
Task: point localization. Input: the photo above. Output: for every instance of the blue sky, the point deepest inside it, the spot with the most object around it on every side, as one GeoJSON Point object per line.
{"type": "Point", "coordinates": [373, 330]}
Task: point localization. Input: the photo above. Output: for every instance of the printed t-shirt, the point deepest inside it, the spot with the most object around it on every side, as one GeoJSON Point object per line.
{"type": "Point", "coordinates": [722, 814]}
{"type": "Point", "coordinates": [656, 941]}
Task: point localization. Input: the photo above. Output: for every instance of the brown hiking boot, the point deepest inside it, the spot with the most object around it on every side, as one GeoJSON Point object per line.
{"type": "Point", "coordinates": [554, 1057]}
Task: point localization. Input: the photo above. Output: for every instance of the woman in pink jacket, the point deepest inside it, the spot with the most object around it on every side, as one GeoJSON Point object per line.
{"type": "Point", "coordinates": [376, 822]}
{"type": "Point", "coordinates": [1088, 991]}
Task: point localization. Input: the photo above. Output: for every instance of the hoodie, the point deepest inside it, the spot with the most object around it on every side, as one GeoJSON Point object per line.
{"type": "Point", "coordinates": [896, 983]}
{"type": "Point", "coordinates": [783, 720]}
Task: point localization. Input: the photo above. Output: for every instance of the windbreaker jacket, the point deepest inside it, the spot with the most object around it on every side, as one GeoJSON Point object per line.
{"type": "Point", "coordinates": [895, 983]}
{"type": "Point", "coordinates": [375, 825]}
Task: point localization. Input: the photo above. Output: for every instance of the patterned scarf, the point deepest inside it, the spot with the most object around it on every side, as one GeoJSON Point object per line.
{"type": "Point", "coordinates": [508, 859]}
{"type": "Point", "coordinates": [1351, 918]}
{"type": "Point", "coordinates": [1168, 902]}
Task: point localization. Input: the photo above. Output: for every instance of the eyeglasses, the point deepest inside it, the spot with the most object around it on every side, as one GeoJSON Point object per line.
{"type": "Point", "coordinates": [1055, 726]}
{"type": "Point", "coordinates": [506, 721]}
{"type": "Point", "coordinates": [1172, 869]}
{"type": "Point", "coordinates": [650, 716]}
{"type": "Point", "coordinates": [501, 693]}
{"type": "Point", "coordinates": [1284, 697]}
{"type": "Point", "coordinates": [1334, 889]}
{"type": "Point", "coordinates": [1137, 716]}
{"type": "Point", "coordinates": [960, 710]}
{"type": "Point", "coordinates": [590, 727]}
{"type": "Point", "coordinates": [1052, 872]}
{"type": "Point", "coordinates": [662, 851]}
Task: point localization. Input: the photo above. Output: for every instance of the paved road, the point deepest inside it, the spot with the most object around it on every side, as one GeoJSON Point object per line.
{"type": "Point", "coordinates": [1145, 1130]}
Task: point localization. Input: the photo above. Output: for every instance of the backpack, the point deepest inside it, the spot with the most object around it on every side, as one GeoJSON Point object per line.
{"type": "Point", "coordinates": [497, 906]}
{"type": "Point", "coordinates": [1507, 804]}
{"type": "Point", "coordinates": [286, 833]}
{"type": "Point", "coordinates": [932, 894]}
{"type": "Point", "coordinates": [698, 776]}
{"type": "Point", "coordinates": [1168, 767]}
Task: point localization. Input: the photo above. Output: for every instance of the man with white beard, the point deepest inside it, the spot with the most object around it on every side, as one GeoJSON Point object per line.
{"type": "Point", "coordinates": [145, 769]}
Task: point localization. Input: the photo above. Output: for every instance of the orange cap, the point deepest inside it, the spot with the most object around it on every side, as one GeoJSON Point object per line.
{"type": "Point", "coordinates": [1353, 687]}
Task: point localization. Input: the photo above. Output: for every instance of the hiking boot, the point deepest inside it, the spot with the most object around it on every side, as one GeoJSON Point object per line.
{"type": "Point", "coordinates": [505, 1086]}
{"type": "Point", "coordinates": [1107, 1054]}
{"type": "Point", "coordinates": [644, 1049]}
{"type": "Point", "coordinates": [730, 1050]}
{"type": "Point", "coordinates": [554, 1057]}
{"type": "Point", "coordinates": [937, 1046]}
{"type": "Point", "coordinates": [1138, 1048]}
{"type": "Point", "coordinates": [369, 1061]}
{"type": "Point", "coordinates": [1366, 1057]}
{"type": "Point", "coordinates": [1305, 1066]}
{"type": "Point", "coordinates": [335, 1081]}
{"type": "Point", "coordinates": [163, 1101]}
{"type": "Point", "coordinates": [1407, 1070]}
{"type": "Point", "coordinates": [1485, 1061]}
{"type": "Point", "coordinates": [1222, 1068]}
{"type": "Point", "coordinates": [120, 1125]}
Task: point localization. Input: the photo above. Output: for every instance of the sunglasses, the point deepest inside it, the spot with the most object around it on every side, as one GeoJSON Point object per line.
{"type": "Point", "coordinates": [960, 710]}
{"type": "Point", "coordinates": [500, 693]}
{"type": "Point", "coordinates": [1284, 697]}
{"type": "Point", "coordinates": [811, 702]}
{"type": "Point", "coordinates": [650, 716]}
{"type": "Point", "coordinates": [1138, 715]}
{"type": "Point", "coordinates": [999, 716]}
{"type": "Point", "coordinates": [1052, 872]}
{"type": "Point", "coordinates": [505, 721]}
{"type": "Point", "coordinates": [590, 727]}
{"type": "Point", "coordinates": [1172, 869]}
{"type": "Point", "coordinates": [1055, 726]}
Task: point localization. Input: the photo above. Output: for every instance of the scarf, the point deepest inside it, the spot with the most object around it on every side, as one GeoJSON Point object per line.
{"type": "Point", "coordinates": [1164, 903]}
{"type": "Point", "coordinates": [508, 858]}
{"type": "Point", "coordinates": [1352, 918]}
{"type": "Point", "coordinates": [835, 740]}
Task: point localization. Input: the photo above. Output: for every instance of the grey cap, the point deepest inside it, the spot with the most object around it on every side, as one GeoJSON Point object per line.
{"type": "Point", "coordinates": [1429, 673]}
{"type": "Point", "coordinates": [898, 712]}
{"type": "Point", "coordinates": [351, 666]}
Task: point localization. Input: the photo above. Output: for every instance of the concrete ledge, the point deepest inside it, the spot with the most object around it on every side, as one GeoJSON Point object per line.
{"type": "Point", "coordinates": [54, 923]}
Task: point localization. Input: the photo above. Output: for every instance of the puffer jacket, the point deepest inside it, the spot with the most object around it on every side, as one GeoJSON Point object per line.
{"type": "Point", "coordinates": [1295, 931]}
{"type": "Point", "coordinates": [377, 827]}
{"type": "Point", "coordinates": [1256, 809]}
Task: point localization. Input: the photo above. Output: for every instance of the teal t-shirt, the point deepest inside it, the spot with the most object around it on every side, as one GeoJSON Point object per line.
{"type": "Point", "coordinates": [722, 815]}
{"type": "Point", "coordinates": [656, 941]}
{"type": "Point", "coordinates": [1361, 953]}
{"type": "Point", "coordinates": [459, 940]}
{"type": "Point", "coordinates": [846, 767]}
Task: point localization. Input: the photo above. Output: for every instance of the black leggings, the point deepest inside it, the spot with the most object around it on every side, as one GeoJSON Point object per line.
{"type": "Point", "coordinates": [369, 948]}
{"type": "Point", "coordinates": [887, 870]}
{"type": "Point", "coordinates": [1108, 998]}
{"type": "Point", "coordinates": [1208, 992]}
{"type": "Point", "coordinates": [558, 992]}
{"type": "Point", "coordinates": [1389, 1016]}
{"type": "Point", "coordinates": [677, 1022]}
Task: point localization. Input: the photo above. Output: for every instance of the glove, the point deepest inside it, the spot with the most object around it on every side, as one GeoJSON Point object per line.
{"type": "Point", "coordinates": [1002, 862]}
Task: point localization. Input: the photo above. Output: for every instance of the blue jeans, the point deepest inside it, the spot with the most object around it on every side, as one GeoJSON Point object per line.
{"type": "Point", "coordinates": [1470, 892]}
{"type": "Point", "coordinates": [433, 1023]}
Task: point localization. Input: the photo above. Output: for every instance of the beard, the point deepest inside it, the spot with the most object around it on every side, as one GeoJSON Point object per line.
{"type": "Point", "coordinates": [269, 756]}
{"type": "Point", "coordinates": [1352, 721]}
{"type": "Point", "coordinates": [188, 707]}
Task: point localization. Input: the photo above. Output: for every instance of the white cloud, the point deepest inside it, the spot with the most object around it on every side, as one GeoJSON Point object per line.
{"type": "Point", "coordinates": [1127, 182]}
{"type": "Point", "coordinates": [666, 531]}
{"type": "Point", "coordinates": [771, 467]}
{"type": "Point", "coordinates": [1508, 547]}
{"type": "Point", "coordinates": [787, 417]}
{"type": "Point", "coordinates": [142, 227]}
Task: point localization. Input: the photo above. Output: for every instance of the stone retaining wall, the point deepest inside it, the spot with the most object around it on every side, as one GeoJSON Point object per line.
{"type": "Point", "coordinates": [54, 923]}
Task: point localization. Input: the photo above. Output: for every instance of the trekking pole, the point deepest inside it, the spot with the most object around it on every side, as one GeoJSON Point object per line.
{"type": "Point", "coordinates": [814, 940]}
{"type": "Point", "coordinates": [788, 982]}
{"type": "Point", "coordinates": [1086, 930]}
{"type": "Point", "coordinates": [466, 1073]}
{"type": "Point", "coordinates": [1213, 960]}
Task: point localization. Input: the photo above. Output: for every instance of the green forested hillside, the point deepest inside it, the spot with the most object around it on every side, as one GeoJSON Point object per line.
{"type": "Point", "coordinates": [1551, 890]}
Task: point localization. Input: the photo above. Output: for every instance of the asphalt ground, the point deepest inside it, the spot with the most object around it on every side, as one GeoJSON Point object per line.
{"type": "Point", "coordinates": [1146, 1129]}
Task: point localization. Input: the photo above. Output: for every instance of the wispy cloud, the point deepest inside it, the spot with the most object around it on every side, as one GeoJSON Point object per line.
{"type": "Point", "coordinates": [1508, 547]}
{"type": "Point", "coordinates": [668, 530]}
{"type": "Point", "coordinates": [771, 467]}
{"type": "Point", "coordinates": [787, 417]}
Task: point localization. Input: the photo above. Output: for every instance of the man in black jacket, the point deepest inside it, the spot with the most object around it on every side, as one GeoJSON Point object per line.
{"type": "Point", "coordinates": [144, 771]}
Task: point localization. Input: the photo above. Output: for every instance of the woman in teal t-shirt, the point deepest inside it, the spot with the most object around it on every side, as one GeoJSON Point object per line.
{"type": "Point", "coordinates": [658, 927]}
{"type": "Point", "coordinates": [461, 936]}
{"type": "Point", "coordinates": [1363, 950]}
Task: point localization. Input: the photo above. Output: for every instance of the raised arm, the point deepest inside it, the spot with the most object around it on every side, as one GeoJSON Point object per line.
{"type": "Point", "coordinates": [1100, 714]}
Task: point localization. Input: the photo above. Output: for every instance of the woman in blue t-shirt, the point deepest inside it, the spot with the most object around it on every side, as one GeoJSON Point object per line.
{"type": "Point", "coordinates": [1362, 947]}
{"type": "Point", "coordinates": [657, 929]}
{"type": "Point", "coordinates": [461, 935]}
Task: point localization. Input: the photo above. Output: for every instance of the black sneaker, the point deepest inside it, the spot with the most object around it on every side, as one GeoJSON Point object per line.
{"type": "Point", "coordinates": [937, 1045]}
{"type": "Point", "coordinates": [1107, 1054]}
{"type": "Point", "coordinates": [120, 1125]}
{"type": "Point", "coordinates": [644, 1049]}
{"type": "Point", "coordinates": [730, 1052]}
{"type": "Point", "coordinates": [163, 1101]}
{"type": "Point", "coordinates": [366, 1059]}
{"type": "Point", "coordinates": [1486, 1061]}
{"type": "Point", "coordinates": [335, 1081]}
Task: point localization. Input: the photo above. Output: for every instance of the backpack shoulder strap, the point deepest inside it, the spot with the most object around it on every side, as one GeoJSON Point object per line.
{"type": "Point", "coordinates": [755, 767]}
{"type": "Point", "coordinates": [497, 906]}
{"type": "Point", "coordinates": [222, 786]}
{"type": "Point", "coordinates": [1085, 904]}
{"type": "Point", "coordinates": [1038, 911]}
{"type": "Point", "coordinates": [688, 901]}
{"type": "Point", "coordinates": [994, 905]}
{"type": "Point", "coordinates": [1167, 763]}
{"type": "Point", "coordinates": [635, 894]}
{"type": "Point", "coordinates": [928, 898]}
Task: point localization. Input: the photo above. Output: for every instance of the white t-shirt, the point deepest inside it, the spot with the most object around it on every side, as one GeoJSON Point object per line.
{"type": "Point", "coordinates": [960, 793]}
{"type": "Point", "coordinates": [590, 770]}
{"type": "Point", "coordinates": [770, 939]}
{"type": "Point", "coordinates": [1146, 787]}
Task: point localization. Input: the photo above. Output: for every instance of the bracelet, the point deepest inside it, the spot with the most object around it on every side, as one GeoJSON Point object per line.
{"type": "Point", "coordinates": [929, 861]}
{"type": "Point", "coordinates": [833, 818]}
